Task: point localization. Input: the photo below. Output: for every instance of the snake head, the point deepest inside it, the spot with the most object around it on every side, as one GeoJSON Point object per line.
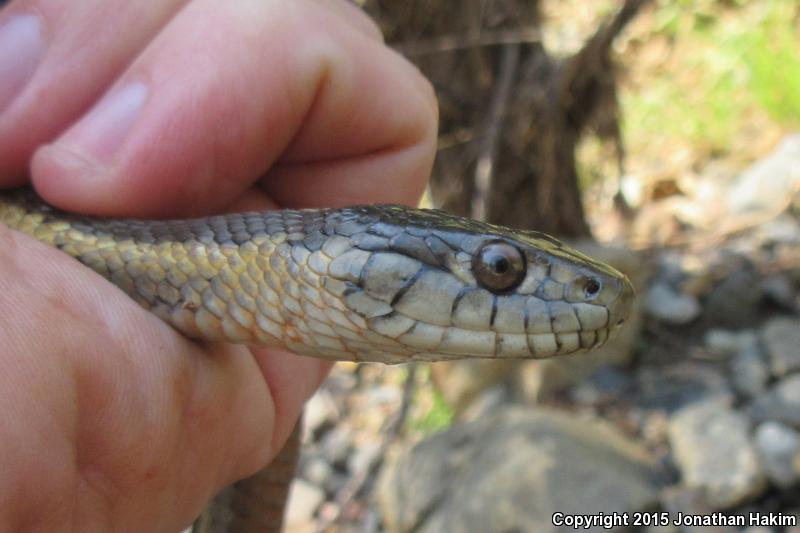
{"type": "Point", "coordinates": [427, 285]}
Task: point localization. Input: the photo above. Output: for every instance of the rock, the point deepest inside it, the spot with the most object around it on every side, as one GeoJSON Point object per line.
{"type": "Point", "coordinates": [763, 188]}
{"type": "Point", "coordinates": [318, 472]}
{"type": "Point", "coordinates": [512, 471]}
{"type": "Point", "coordinates": [711, 445]}
{"type": "Point", "coordinates": [304, 498]}
{"type": "Point", "coordinates": [319, 411]}
{"type": "Point", "coordinates": [672, 267]}
{"type": "Point", "coordinates": [363, 456]}
{"type": "Point", "coordinates": [682, 501]}
{"type": "Point", "coordinates": [780, 403]}
{"type": "Point", "coordinates": [734, 301]}
{"type": "Point", "coordinates": [666, 305]}
{"type": "Point", "coordinates": [654, 427]}
{"type": "Point", "coordinates": [385, 395]}
{"type": "Point", "coordinates": [724, 342]}
{"type": "Point", "coordinates": [336, 446]}
{"type": "Point", "coordinates": [779, 449]}
{"type": "Point", "coordinates": [782, 341]}
{"type": "Point", "coordinates": [674, 386]}
{"type": "Point", "coordinates": [779, 288]}
{"type": "Point", "coordinates": [605, 385]}
{"type": "Point", "coordinates": [748, 368]}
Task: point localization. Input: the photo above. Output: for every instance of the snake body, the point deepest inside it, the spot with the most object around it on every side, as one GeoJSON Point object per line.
{"type": "Point", "coordinates": [367, 283]}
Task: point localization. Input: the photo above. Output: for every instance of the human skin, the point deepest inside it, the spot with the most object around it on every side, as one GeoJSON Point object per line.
{"type": "Point", "coordinates": [110, 419]}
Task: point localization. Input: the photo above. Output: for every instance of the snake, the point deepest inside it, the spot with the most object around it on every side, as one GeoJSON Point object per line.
{"type": "Point", "coordinates": [367, 283]}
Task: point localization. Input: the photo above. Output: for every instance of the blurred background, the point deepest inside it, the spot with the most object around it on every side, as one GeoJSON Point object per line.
{"type": "Point", "coordinates": [662, 137]}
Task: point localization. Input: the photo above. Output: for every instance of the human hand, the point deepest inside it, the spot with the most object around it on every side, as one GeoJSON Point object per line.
{"type": "Point", "coordinates": [111, 420]}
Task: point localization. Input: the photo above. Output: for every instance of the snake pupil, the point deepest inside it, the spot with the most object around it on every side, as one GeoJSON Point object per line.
{"type": "Point", "coordinates": [592, 287]}
{"type": "Point", "coordinates": [501, 265]}
{"type": "Point", "coordinates": [498, 266]}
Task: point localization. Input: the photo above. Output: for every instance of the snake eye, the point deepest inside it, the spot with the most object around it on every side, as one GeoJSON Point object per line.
{"type": "Point", "coordinates": [498, 266]}
{"type": "Point", "coordinates": [592, 288]}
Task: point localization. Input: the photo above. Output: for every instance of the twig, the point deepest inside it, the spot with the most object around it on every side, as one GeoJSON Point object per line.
{"type": "Point", "coordinates": [484, 169]}
{"type": "Point", "coordinates": [450, 43]}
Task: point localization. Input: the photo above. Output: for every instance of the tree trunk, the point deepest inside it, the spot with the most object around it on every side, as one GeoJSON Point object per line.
{"type": "Point", "coordinates": [511, 115]}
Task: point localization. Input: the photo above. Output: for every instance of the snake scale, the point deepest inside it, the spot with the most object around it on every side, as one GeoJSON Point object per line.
{"type": "Point", "coordinates": [380, 283]}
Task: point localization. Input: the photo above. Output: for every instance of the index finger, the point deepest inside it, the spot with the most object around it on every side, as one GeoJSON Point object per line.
{"type": "Point", "coordinates": [228, 91]}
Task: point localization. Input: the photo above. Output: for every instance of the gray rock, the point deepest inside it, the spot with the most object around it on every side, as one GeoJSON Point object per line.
{"type": "Point", "coordinates": [749, 371]}
{"type": "Point", "coordinates": [711, 445]}
{"type": "Point", "coordinates": [779, 449]}
{"type": "Point", "coordinates": [780, 403]}
{"type": "Point", "coordinates": [363, 456]}
{"type": "Point", "coordinates": [724, 342]}
{"type": "Point", "coordinates": [336, 445]}
{"type": "Point", "coordinates": [606, 384]}
{"type": "Point", "coordinates": [764, 186]}
{"type": "Point", "coordinates": [512, 472]}
{"type": "Point", "coordinates": [672, 267]}
{"type": "Point", "coordinates": [666, 305]}
{"type": "Point", "coordinates": [782, 229]}
{"type": "Point", "coordinates": [780, 289]}
{"type": "Point", "coordinates": [318, 472]}
{"type": "Point", "coordinates": [734, 301]}
{"type": "Point", "coordinates": [683, 501]}
{"type": "Point", "coordinates": [782, 341]}
{"type": "Point", "coordinates": [676, 385]}
{"type": "Point", "coordinates": [385, 395]}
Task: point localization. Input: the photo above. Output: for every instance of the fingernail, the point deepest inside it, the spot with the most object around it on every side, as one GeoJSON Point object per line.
{"type": "Point", "coordinates": [21, 44]}
{"type": "Point", "coordinates": [100, 133]}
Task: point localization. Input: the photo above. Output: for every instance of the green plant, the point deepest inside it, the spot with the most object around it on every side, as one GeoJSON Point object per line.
{"type": "Point", "coordinates": [771, 51]}
{"type": "Point", "coordinates": [727, 61]}
{"type": "Point", "coordinates": [437, 416]}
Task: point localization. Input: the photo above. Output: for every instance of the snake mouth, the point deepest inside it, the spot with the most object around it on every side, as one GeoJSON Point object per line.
{"type": "Point", "coordinates": [566, 342]}
{"type": "Point", "coordinates": [520, 346]}
{"type": "Point", "coordinates": [456, 343]}
{"type": "Point", "coordinates": [530, 329]}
